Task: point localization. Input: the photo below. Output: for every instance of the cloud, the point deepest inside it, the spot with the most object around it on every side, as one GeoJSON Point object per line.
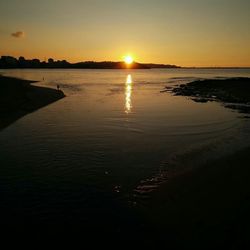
{"type": "Point", "coordinates": [18, 34]}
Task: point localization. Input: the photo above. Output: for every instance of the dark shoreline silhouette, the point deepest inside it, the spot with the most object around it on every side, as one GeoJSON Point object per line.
{"type": "Point", "coordinates": [234, 93]}
{"type": "Point", "coordinates": [18, 98]}
{"type": "Point", "coordinates": [9, 62]}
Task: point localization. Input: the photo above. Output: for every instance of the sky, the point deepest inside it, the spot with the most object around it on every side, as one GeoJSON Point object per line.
{"type": "Point", "coordinates": [180, 32]}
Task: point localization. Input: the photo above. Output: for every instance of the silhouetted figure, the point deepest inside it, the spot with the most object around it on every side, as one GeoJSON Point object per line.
{"type": "Point", "coordinates": [58, 87]}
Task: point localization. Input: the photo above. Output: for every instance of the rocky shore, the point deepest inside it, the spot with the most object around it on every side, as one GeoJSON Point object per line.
{"type": "Point", "coordinates": [232, 92]}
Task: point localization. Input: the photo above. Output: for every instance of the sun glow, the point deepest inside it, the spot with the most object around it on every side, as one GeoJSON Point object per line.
{"type": "Point", "coordinates": [128, 59]}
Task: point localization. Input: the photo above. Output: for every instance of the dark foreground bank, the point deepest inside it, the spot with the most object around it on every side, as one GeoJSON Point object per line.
{"type": "Point", "coordinates": [207, 207]}
{"type": "Point", "coordinates": [233, 92]}
{"type": "Point", "coordinates": [18, 98]}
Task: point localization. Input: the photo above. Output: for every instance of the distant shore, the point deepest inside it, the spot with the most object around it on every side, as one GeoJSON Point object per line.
{"type": "Point", "coordinates": [9, 62]}
{"type": "Point", "coordinates": [19, 97]}
{"type": "Point", "coordinates": [233, 92]}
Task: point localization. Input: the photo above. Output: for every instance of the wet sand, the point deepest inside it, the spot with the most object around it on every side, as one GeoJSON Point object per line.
{"type": "Point", "coordinates": [19, 97]}
{"type": "Point", "coordinates": [206, 207]}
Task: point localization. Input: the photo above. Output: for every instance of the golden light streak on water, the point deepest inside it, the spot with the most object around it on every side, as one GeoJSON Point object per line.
{"type": "Point", "coordinates": [128, 94]}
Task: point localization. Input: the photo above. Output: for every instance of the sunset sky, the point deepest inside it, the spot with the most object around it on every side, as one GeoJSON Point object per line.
{"type": "Point", "coordinates": [181, 32]}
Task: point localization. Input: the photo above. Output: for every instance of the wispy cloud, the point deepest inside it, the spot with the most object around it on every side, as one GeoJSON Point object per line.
{"type": "Point", "coordinates": [18, 34]}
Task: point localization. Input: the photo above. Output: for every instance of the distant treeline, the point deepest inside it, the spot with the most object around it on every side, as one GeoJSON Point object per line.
{"type": "Point", "coordinates": [9, 62]}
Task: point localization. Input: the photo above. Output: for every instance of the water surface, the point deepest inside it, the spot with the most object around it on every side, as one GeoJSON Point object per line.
{"type": "Point", "coordinates": [113, 140]}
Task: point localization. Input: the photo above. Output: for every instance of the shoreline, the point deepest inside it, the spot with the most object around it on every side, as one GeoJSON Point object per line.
{"type": "Point", "coordinates": [19, 97]}
{"type": "Point", "coordinates": [207, 204]}
{"type": "Point", "coordinates": [233, 93]}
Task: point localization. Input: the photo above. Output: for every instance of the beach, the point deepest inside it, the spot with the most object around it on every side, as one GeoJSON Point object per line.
{"type": "Point", "coordinates": [207, 204]}
{"type": "Point", "coordinates": [125, 124]}
{"type": "Point", "coordinates": [123, 160]}
{"type": "Point", "coordinates": [19, 97]}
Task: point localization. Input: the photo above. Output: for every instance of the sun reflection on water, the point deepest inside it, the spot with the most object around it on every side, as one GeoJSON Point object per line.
{"type": "Point", "coordinates": [128, 94]}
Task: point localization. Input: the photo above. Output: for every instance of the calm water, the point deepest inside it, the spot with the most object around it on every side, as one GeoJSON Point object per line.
{"type": "Point", "coordinates": [111, 142]}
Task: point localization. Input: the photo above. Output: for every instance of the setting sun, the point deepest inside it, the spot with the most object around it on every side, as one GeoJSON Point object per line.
{"type": "Point", "coordinates": [128, 59]}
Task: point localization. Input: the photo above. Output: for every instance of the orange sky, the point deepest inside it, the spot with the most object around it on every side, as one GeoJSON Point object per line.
{"type": "Point", "coordinates": [181, 32]}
